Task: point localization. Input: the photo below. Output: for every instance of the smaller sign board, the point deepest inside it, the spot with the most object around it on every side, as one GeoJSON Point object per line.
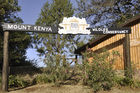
{"type": "Point", "coordinates": [110, 30]}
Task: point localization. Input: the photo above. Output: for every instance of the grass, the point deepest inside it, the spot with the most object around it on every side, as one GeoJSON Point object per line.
{"type": "Point", "coordinates": [49, 88]}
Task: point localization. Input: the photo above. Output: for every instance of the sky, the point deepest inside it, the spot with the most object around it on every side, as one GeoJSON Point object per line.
{"type": "Point", "coordinates": [30, 10]}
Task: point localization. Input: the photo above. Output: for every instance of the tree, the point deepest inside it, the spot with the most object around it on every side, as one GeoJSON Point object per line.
{"type": "Point", "coordinates": [52, 14]}
{"type": "Point", "coordinates": [55, 47]}
{"type": "Point", "coordinates": [107, 13]}
{"type": "Point", "coordinates": [110, 13]}
{"type": "Point", "coordinates": [18, 42]}
{"type": "Point", "coordinates": [8, 9]}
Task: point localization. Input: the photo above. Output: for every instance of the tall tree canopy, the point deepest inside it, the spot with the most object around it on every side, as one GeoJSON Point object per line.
{"type": "Point", "coordinates": [52, 14]}
{"type": "Point", "coordinates": [108, 12]}
{"type": "Point", "coordinates": [8, 10]}
{"type": "Point", "coordinates": [18, 42]}
{"type": "Point", "coordinates": [54, 47]}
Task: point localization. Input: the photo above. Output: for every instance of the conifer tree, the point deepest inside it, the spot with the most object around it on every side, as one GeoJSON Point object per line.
{"type": "Point", "coordinates": [107, 13]}
{"type": "Point", "coordinates": [56, 48]}
{"type": "Point", "coordinates": [53, 13]}
{"type": "Point", "coordinates": [18, 41]}
{"type": "Point", "coordinates": [110, 13]}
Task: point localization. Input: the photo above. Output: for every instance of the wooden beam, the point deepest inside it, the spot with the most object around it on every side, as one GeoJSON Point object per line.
{"type": "Point", "coordinates": [5, 70]}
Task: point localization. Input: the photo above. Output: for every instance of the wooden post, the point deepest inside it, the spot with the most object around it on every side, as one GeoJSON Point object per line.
{"type": "Point", "coordinates": [5, 69]}
{"type": "Point", "coordinates": [127, 61]}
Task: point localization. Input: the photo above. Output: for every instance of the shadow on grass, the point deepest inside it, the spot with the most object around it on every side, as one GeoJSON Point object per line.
{"type": "Point", "coordinates": [19, 88]}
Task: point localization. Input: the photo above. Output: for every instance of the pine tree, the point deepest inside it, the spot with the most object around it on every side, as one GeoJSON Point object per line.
{"type": "Point", "coordinates": [18, 41]}
{"type": "Point", "coordinates": [53, 14]}
{"type": "Point", "coordinates": [110, 13]}
{"type": "Point", "coordinates": [55, 47]}
{"type": "Point", "coordinates": [107, 13]}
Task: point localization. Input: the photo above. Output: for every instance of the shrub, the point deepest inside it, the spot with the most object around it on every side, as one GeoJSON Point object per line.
{"type": "Point", "coordinates": [15, 81]}
{"type": "Point", "coordinates": [100, 76]}
{"type": "Point", "coordinates": [126, 82]}
{"type": "Point", "coordinates": [41, 78]}
{"type": "Point", "coordinates": [98, 71]}
{"type": "Point", "coordinates": [58, 70]}
{"type": "Point", "coordinates": [136, 84]}
{"type": "Point", "coordinates": [121, 81]}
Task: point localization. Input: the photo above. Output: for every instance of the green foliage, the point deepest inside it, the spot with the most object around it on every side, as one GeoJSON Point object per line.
{"type": "Point", "coordinates": [121, 81]}
{"type": "Point", "coordinates": [108, 12]}
{"type": "Point", "coordinates": [15, 81]}
{"type": "Point", "coordinates": [42, 78]}
{"type": "Point", "coordinates": [18, 42]}
{"type": "Point", "coordinates": [58, 73]}
{"type": "Point", "coordinates": [55, 47]}
{"type": "Point", "coordinates": [51, 15]}
{"type": "Point", "coordinates": [57, 76]}
{"type": "Point", "coordinates": [136, 84]}
{"type": "Point", "coordinates": [124, 81]}
{"type": "Point", "coordinates": [62, 74]}
{"type": "Point", "coordinates": [128, 81]}
{"type": "Point", "coordinates": [98, 71]}
{"type": "Point", "coordinates": [8, 8]}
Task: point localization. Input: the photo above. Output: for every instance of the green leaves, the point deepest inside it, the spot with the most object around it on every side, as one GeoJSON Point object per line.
{"type": "Point", "coordinates": [52, 14]}
{"type": "Point", "coordinates": [15, 81]}
{"type": "Point", "coordinates": [56, 48]}
{"type": "Point", "coordinates": [107, 13]}
{"type": "Point", "coordinates": [98, 70]}
{"type": "Point", "coordinates": [18, 42]}
{"type": "Point", "coordinates": [2, 11]}
{"type": "Point", "coordinates": [8, 8]}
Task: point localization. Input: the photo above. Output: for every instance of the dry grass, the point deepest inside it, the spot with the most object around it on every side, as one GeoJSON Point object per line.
{"type": "Point", "coordinates": [122, 90]}
{"type": "Point", "coordinates": [49, 88]}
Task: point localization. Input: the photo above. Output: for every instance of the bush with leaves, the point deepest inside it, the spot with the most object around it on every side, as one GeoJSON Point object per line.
{"type": "Point", "coordinates": [98, 70]}
{"type": "Point", "coordinates": [41, 79]}
{"type": "Point", "coordinates": [124, 81]}
{"type": "Point", "coordinates": [58, 71]}
{"type": "Point", "coordinates": [15, 81]}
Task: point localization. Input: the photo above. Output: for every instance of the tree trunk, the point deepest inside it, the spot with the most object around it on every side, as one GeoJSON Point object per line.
{"type": "Point", "coordinates": [76, 60]}
{"type": "Point", "coordinates": [5, 69]}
